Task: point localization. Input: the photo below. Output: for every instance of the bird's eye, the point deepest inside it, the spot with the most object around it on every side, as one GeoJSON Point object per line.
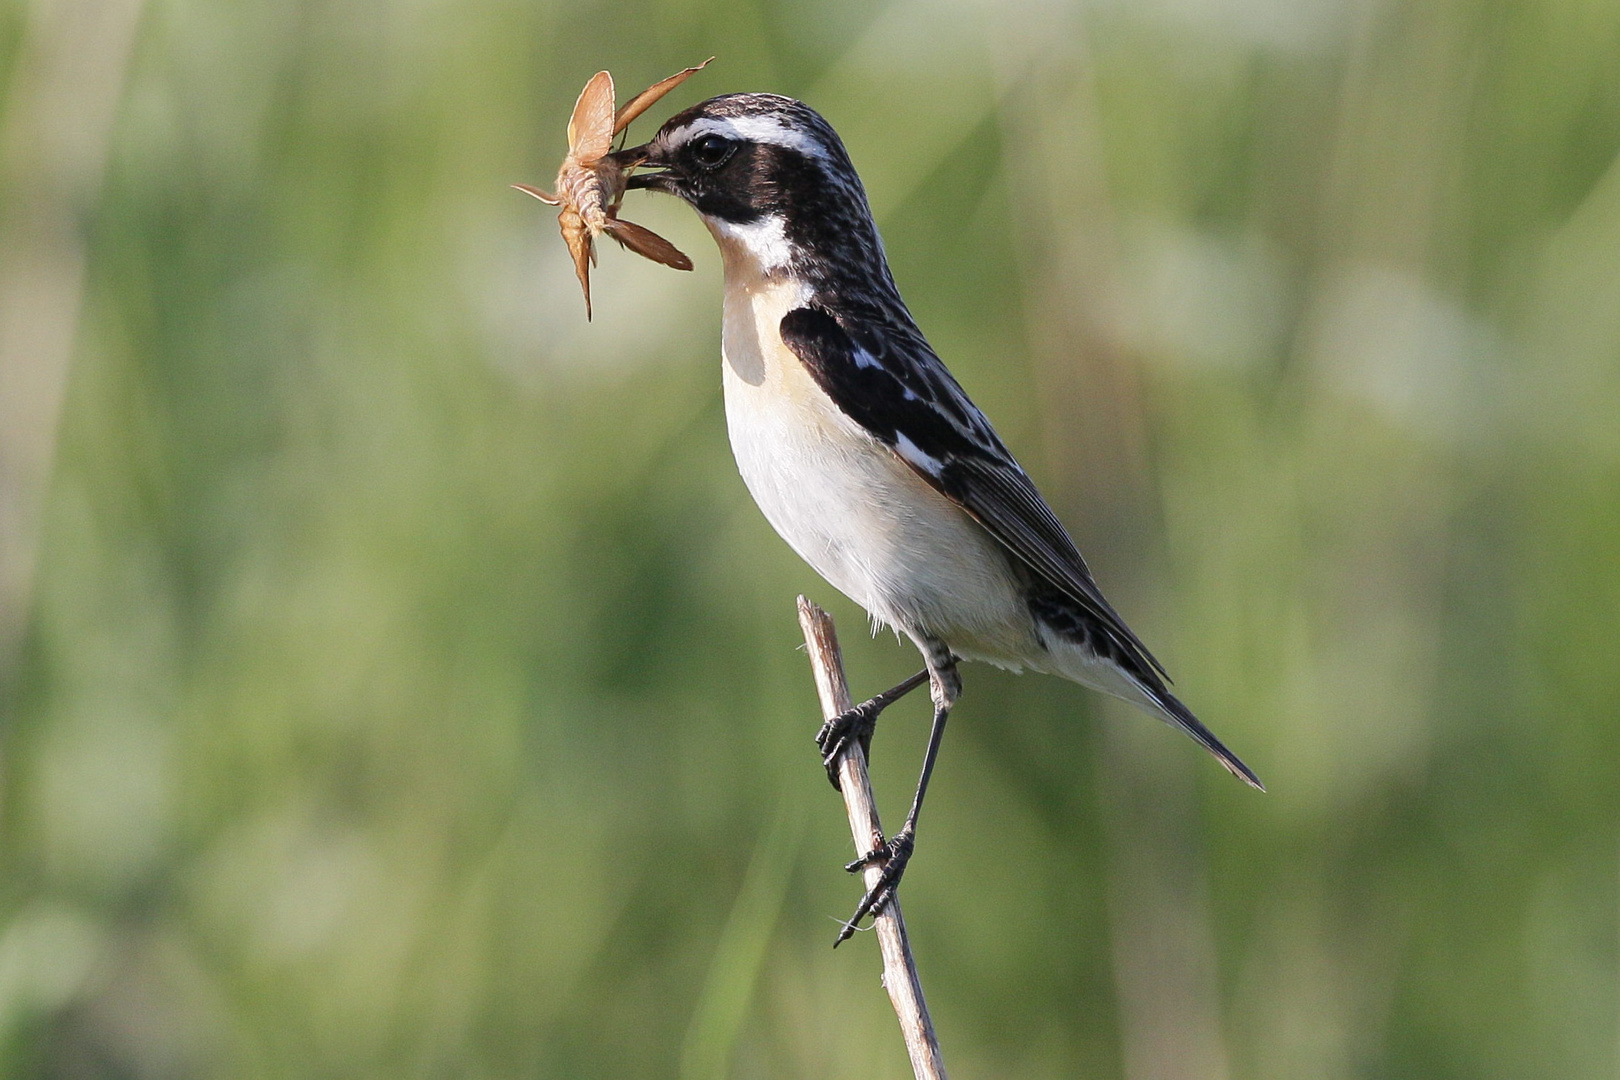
{"type": "Point", "coordinates": [711, 151]}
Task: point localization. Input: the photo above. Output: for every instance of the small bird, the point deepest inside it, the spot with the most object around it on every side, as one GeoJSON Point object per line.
{"type": "Point", "coordinates": [864, 453]}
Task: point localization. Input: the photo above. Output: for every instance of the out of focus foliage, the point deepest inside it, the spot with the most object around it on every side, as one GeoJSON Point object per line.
{"type": "Point", "coordinates": [406, 686]}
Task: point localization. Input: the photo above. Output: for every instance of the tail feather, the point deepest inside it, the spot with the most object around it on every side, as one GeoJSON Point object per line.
{"type": "Point", "coordinates": [1094, 654]}
{"type": "Point", "coordinates": [1176, 713]}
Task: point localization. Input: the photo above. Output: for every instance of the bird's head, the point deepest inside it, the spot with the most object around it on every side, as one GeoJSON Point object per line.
{"type": "Point", "coordinates": [769, 175]}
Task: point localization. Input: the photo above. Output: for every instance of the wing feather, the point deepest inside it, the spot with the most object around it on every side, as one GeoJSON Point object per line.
{"type": "Point", "coordinates": [890, 382]}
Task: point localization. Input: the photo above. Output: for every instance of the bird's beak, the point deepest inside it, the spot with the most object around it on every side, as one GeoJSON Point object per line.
{"type": "Point", "coordinates": [640, 157]}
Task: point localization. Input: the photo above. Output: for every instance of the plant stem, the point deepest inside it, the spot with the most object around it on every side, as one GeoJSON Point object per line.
{"type": "Point", "coordinates": [899, 969]}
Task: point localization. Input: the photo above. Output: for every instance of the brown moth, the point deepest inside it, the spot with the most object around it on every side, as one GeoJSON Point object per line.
{"type": "Point", "coordinates": [590, 183]}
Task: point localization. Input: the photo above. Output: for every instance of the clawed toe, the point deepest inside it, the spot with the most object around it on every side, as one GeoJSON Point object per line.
{"type": "Point", "coordinates": [857, 724]}
{"type": "Point", "coordinates": [836, 735]}
{"type": "Point", "coordinates": [893, 857]}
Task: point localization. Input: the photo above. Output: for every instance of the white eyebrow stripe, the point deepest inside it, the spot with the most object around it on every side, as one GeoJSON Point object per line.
{"type": "Point", "coordinates": [759, 129]}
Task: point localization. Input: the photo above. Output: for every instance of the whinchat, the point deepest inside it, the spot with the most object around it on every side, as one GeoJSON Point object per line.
{"type": "Point", "coordinates": [861, 449]}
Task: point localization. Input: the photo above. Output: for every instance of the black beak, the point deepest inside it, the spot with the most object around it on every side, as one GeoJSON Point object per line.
{"type": "Point", "coordinates": [638, 157]}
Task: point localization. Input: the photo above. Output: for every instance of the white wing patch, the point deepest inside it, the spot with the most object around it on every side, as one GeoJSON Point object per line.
{"type": "Point", "coordinates": [914, 455]}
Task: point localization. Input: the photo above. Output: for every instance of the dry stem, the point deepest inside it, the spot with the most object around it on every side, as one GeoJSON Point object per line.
{"type": "Point", "coordinates": [899, 970]}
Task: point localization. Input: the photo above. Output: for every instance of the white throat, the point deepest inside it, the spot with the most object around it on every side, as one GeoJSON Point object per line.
{"type": "Point", "coordinates": [756, 249]}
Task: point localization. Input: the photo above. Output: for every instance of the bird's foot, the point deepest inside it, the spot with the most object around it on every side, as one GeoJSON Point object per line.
{"type": "Point", "coordinates": [893, 857]}
{"type": "Point", "coordinates": [857, 725]}
{"type": "Point", "coordinates": [852, 725]}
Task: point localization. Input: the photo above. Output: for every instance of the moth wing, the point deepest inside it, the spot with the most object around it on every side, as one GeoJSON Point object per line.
{"type": "Point", "coordinates": [540, 193]}
{"type": "Point", "coordinates": [578, 238]}
{"type": "Point", "coordinates": [648, 244]}
{"type": "Point", "coordinates": [590, 128]}
{"type": "Point", "coordinates": [646, 99]}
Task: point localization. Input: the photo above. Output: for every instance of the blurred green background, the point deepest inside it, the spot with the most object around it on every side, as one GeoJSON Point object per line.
{"type": "Point", "coordinates": [398, 681]}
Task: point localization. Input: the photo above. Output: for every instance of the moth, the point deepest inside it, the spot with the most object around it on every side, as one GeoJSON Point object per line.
{"type": "Point", "coordinates": [591, 183]}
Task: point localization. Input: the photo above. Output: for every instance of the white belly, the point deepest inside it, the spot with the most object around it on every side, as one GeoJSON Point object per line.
{"type": "Point", "coordinates": [849, 506]}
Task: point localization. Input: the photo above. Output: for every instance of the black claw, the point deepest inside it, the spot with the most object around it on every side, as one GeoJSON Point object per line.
{"type": "Point", "coordinates": [893, 856]}
{"type": "Point", "coordinates": [858, 724]}
{"type": "Point", "coordinates": [836, 734]}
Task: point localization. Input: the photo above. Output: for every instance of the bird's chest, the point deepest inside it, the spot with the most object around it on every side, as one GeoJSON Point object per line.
{"type": "Point", "coordinates": [818, 477]}
{"type": "Point", "coordinates": [840, 498]}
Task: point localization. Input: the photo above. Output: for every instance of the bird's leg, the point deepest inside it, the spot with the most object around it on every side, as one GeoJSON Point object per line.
{"type": "Point", "coordinates": [945, 687]}
{"type": "Point", "coordinates": [858, 724]}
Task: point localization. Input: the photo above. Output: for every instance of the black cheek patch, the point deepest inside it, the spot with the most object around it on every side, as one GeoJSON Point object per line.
{"type": "Point", "coordinates": [740, 191]}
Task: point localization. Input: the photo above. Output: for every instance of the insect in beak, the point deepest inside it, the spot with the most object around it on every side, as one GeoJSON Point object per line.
{"type": "Point", "coordinates": [634, 157]}
{"type": "Point", "coordinates": [592, 180]}
{"type": "Point", "coordinates": [638, 157]}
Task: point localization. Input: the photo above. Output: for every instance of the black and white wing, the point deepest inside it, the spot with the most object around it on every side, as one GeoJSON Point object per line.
{"type": "Point", "coordinates": [891, 383]}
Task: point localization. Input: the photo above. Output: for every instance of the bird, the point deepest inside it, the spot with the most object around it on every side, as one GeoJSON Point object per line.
{"type": "Point", "coordinates": [865, 454]}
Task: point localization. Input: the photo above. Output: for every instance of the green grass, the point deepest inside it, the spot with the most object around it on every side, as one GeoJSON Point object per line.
{"type": "Point", "coordinates": [409, 687]}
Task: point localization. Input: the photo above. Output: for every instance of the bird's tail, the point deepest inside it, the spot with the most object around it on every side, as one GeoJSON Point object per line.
{"type": "Point", "coordinates": [1172, 711]}
{"type": "Point", "coordinates": [1118, 667]}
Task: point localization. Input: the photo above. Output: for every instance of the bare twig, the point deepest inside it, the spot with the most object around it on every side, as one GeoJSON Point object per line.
{"type": "Point", "coordinates": [899, 970]}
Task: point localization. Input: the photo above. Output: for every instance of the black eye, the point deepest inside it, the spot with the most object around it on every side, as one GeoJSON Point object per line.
{"type": "Point", "coordinates": [711, 151]}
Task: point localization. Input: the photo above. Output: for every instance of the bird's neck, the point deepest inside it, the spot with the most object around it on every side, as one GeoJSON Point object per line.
{"type": "Point", "coordinates": [835, 268]}
{"type": "Point", "coordinates": [758, 249]}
